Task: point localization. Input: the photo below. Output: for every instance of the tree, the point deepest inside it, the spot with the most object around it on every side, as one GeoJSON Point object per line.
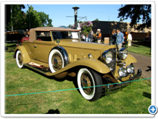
{"type": "Point", "coordinates": [69, 26]}
{"type": "Point", "coordinates": [15, 17]}
{"type": "Point", "coordinates": [45, 19]}
{"type": "Point", "coordinates": [121, 19]}
{"type": "Point", "coordinates": [96, 19]}
{"type": "Point", "coordinates": [37, 19]}
{"type": "Point", "coordinates": [49, 23]}
{"type": "Point", "coordinates": [79, 21]}
{"type": "Point", "coordinates": [136, 13]}
{"type": "Point", "coordinates": [34, 18]}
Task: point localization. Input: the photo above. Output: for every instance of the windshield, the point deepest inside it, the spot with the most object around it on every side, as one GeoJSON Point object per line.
{"type": "Point", "coordinates": [65, 35]}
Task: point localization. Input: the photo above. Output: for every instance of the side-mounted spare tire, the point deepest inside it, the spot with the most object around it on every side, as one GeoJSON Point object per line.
{"type": "Point", "coordinates": [58, 59]}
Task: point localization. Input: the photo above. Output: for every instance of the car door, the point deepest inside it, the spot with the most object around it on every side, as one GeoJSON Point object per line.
{"type": "Point", "coordinates": [42, 46]}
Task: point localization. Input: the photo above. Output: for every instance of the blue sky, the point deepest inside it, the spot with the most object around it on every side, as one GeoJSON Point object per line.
{"type": "Point", "coordinates": [58, 13]}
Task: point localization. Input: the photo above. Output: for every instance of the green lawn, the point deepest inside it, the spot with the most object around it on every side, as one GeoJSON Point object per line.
{"type": "Point", "coordinates": [140, 49]}
{"type": "Point", "coordinates": [133, 99]}
{"type": "Point", "coordinates": [9, 47]}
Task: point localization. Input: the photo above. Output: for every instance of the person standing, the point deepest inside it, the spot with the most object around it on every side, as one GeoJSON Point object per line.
{"type": "Point", "coordinates": [98, 36]}
{"type": "Point", "coordinates": [87, 38]}
{"type": "Point", "coordinates": [114, 34]}
{"type": "Point", "coordinates": [129, 39]}
{"type": "Point", "coordinates": [119, 39]}
{"type": "Point", "coordinates": [90, 36]}
{"type": "Point", "coordinates": [83, 37]}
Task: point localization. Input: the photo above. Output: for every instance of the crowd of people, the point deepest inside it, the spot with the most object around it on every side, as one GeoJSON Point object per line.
{"type": "Point", "coordinates": [92, 37]}
{"type": "Point", "coordinates": [117, 38]}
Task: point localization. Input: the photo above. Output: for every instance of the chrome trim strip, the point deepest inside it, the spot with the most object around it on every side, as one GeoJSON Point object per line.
{"type": "Point", "coordinates": [36, 69]}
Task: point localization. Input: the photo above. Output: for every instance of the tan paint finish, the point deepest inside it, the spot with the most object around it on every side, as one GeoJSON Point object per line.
{"type": "Point", "coordinates": [61, 75]}
{"type": "Point", "coordinates": [77, 52]}
{"type": "Point", "coordinates": [91, 63]}
{"type": "Point", "coordinates": [42, 50]}
{"type": "Point", "coordinates": [25, 55]}
{"type": "Point", "coordinates": [130, 59]}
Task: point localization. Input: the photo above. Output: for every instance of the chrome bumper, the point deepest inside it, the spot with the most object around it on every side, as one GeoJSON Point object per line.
{"type": "Point", "coordinates": [125, 83]}
{"type": "Point", "coordinates": [137, 76]}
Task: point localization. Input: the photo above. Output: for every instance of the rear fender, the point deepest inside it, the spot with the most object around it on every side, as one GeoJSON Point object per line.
{"type": "Point", "coordinates": [25, 55]}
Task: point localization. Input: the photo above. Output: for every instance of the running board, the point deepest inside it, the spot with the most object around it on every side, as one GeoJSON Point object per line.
{"type": "Point", "coordinates": [48, 73]}
{"type": "Point", "coordinates": [37, 69]}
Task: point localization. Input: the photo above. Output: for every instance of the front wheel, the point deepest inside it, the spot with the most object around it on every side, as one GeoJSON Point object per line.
{"type": "Point", "coordinates": [91, 79]}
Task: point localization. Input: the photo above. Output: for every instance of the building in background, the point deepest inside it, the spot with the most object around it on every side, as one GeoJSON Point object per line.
{"type": "Point", "coordinates": [107, 27]}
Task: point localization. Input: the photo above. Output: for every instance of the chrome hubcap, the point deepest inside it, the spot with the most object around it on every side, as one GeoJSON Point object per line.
{"type": "Point", "coordinates": [86, 83]}
{"type": "Point", "coordinates": [57, 61]}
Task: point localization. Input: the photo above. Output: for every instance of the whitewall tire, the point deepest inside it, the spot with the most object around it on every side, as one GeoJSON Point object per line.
{"type": "Point", "coordinates": [89, 78]}
{"type": "Point", "coordinates": [55, 60]}
{"type": "Point", "coordinates": [19, 59]}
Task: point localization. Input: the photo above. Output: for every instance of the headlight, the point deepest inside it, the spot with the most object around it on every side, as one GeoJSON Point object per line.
{"type": "Point", "coordinates": [130, 69]}
{"type": "Point", "coordinates": [107, 56]}
{"type": "Point", "coordinates": [122, 72]}
{"type": "Point", "coordinates": [122, 53]}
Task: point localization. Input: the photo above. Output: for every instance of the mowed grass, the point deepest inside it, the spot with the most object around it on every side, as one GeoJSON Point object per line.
{"type": "Point", "coordinates": [140, 49]}
{"type": "Point", "coordinates": [133, 99]}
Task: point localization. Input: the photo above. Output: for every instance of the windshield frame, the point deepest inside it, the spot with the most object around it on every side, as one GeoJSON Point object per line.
{"type": "Point", "coordinates": [69, 37]}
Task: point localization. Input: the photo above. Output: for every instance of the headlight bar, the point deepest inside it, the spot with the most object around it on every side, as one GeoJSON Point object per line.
{"type": "Point", "coordinates": [125, 71]}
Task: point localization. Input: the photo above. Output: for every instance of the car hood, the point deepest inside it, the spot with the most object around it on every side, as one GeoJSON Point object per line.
{"type": "Point", "coordinates": [85, 45]}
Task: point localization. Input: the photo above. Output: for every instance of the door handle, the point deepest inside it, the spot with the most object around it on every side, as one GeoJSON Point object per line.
{"type": "Point", "coordinates": [35, 46]}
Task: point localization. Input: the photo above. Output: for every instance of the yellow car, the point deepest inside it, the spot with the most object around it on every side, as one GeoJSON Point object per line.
{"type": "Point", "coordinates": [59, 52]}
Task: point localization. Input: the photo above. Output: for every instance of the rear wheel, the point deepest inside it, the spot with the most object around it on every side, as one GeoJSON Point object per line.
{"type": "Point", "coordinates": [19, 59]}
{"type": "Point", "coordinates": [90, 80]}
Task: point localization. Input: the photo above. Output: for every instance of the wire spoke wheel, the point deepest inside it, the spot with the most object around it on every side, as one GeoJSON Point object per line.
{"type": "Point", "coordinates": [87, 81]}
{"type": "Point", "coordinates": [56, 62]}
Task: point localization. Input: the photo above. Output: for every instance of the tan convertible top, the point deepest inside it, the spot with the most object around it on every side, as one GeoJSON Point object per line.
{"type": "Point", "coordinates": [32, 36]}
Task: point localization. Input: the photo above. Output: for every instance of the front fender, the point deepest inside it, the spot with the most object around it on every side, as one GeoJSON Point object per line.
{"type": "Point", "coordinates": [25, 55]}
{"type": "Point", "coordinates": [91, 63]}
{"type": "Point", "coordinates": [130, 59]}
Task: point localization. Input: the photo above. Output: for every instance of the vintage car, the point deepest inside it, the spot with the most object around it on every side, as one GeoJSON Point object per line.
{"type": "Point", "coordinates": [59, 52]}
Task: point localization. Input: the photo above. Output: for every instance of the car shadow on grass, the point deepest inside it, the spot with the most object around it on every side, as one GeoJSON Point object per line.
{"type": "Point", "coordinates": [48, 77]}
{"type": "Point", "coordinates": [141, 42]}
{"type": "Point", "coordinates": [107, 92]}
{"type": "Point", "coordinates": [148, 95]}
{"type": "Point", "coordinates": [149, 68]}
{"type": "Point", "coordinates": [52, 111]}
